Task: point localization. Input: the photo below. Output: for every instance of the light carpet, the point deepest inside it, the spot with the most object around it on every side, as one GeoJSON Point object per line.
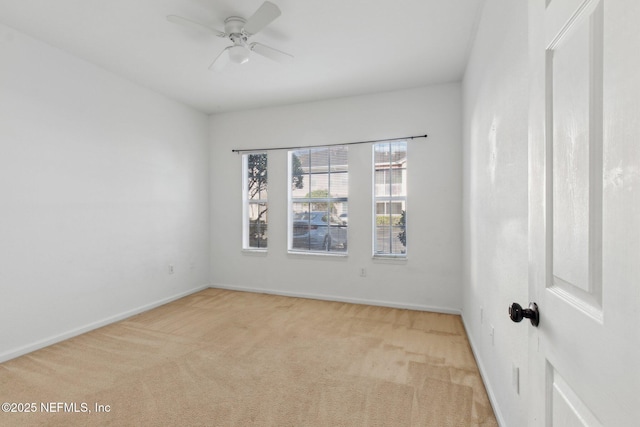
{"type": "Point", "coordinates": [226, 358]}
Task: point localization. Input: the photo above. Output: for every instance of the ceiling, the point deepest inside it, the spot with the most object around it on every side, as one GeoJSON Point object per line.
{"type": "Point", "coordinates": [341, 47]}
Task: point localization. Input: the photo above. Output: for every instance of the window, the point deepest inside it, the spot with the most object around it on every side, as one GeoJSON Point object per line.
{"type": "Point", "coordinates": [318, 199]}
{"type": "Point", "coordinates": [390, 198]}
{"type": "Point", "coordinates": [254, 210]}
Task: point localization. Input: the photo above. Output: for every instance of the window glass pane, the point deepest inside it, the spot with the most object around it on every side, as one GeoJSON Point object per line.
{"type": "Point", "coordinates": [390, 240]}
{"type": "Point", "coordinates": [382, 241]}
{"type": "Point", "coordinates": [398, 239]}
{"type": "Point", "coordinates": [339, 184]}
{"type": "Point", "coordinates": [396, 176]}
{"type": "Point", "coordinates": [398, 152]}
{"type": "Point", "coordinates": [296, 177]}
{"type": "Point", "coordinates": [381, 182]}
{"type": "Point", "coordinates": [396, 209]}
{"type": "Point", "coordinates": [381, 153]}
{"type": "Point", "coordinates": [301, 221]}
{"type": "Point", "coordinates": [319, 185]}
{"type": "Point", "coordinates": [303, 191]}
{"type": "Point", "coordinates": [257, 176]}
{"type": "Point", "coordinates": [338, 159]}
{"type": "Point", "coordinates": [397, 182]}
{"type": "Point", "coordinates": [258, 225]}
{"type": "Point", "coordinates": [300, 210]}
{"type": "Point", "coordinates": [319, 160]}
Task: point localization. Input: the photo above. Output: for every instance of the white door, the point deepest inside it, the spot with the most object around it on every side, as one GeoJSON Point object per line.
{"type": "Point", "coordinates": [584, 207]}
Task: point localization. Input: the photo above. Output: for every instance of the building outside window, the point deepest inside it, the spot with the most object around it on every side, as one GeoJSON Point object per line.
{"type": "Point", "coordinates": [390, 199]}
{"type": "Point", "coordinates": [318, 199]}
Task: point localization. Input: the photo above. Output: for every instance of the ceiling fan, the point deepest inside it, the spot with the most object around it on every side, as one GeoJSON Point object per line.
{"type": "Point", "coordinates": [239, 30]}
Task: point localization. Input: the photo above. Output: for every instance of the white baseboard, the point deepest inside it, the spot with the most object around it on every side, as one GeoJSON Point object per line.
{"type": "Point", "coordinates": [11, 354]}
{"type": "Point", "coordinates": [485, 378]}
{"type": "Point", "coordinates": [418, 307]}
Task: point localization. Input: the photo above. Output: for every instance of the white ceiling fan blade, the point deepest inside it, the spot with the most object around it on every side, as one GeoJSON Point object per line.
{"type": "Point", "coordinates": [271, 53]}
{"type": "Point", "coordinates": [193, 24]}
{"type": "Point", "coordinates": [221, 60]}
{"type": "Point", "coordinates": [262, 17]}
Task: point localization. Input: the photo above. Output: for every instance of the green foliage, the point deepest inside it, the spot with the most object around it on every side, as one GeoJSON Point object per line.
{"type": "Point", "coordinates": [402, 236]}
{"type": "Point", "coordinates": [297, 175]}
{"type": "Point", "coordinates": [320, 206]}
{"type": "Point", "coordinates": [387, 220]}
{"type": "Point", "coordinates": [318, 194]}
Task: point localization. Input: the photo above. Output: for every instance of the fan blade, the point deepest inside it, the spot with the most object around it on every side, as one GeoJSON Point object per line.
{"type": "Point", "coordinates": [193, 24]}
{"type": "Point", "coordinates": [271, 53]}
{"type": "Point", "coordinates": [262, 17]}
{"type": "Point", "coordinates": [221, 60]}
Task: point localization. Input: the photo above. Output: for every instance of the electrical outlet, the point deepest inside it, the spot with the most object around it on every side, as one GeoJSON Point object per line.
{"type": "Point", "coordinates": [170, 268]}
{"type": "Point", "coordinates": [363, 272]}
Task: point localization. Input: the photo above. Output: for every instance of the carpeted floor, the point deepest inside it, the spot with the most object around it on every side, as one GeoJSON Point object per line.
{"type": "Point", "coordinates": [224, 358]}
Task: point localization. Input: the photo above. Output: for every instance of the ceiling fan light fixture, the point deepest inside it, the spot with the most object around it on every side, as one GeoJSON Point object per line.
{"type": "Point", "coordinates": [239, 54]}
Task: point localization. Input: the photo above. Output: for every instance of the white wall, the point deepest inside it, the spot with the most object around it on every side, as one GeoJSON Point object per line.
{"type": "Point", "coordinates": [495, 93]}
{"type": "Point", "coordinates": [431, 276]}
{"type": "Point", "coordinates": [103, 184]}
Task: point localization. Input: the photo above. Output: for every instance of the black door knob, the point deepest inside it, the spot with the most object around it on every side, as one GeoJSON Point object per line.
{"type": "Point", "coordinates": [517, 313]}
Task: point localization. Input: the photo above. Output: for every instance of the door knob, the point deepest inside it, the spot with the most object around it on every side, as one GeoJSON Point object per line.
{"type": "Point", "coordinates": [517, 313]}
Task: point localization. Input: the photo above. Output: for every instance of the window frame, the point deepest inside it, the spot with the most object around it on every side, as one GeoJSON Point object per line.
{"type": "Point", "coordinates": [388, 200]}
{"type": "Point", "coordinates": [291, 200]}
{"type": "Point", "coordinates": [247, 202]}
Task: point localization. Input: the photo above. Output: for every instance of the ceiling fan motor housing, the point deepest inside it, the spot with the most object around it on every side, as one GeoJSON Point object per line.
{"type": "Point", "coordinates": [234, 25]}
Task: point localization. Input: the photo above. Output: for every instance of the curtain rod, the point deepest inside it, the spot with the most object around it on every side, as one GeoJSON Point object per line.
{"type": "Point", "coordinates": [328, 145]}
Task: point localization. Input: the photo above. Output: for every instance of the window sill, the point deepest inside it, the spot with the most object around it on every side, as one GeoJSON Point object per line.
{"type": "Point", "coordinates": [319, 254]}
{"type": "Point", "coordinates": [256, 252]}
{"type": "Point", "coordinates": [394, 259]}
